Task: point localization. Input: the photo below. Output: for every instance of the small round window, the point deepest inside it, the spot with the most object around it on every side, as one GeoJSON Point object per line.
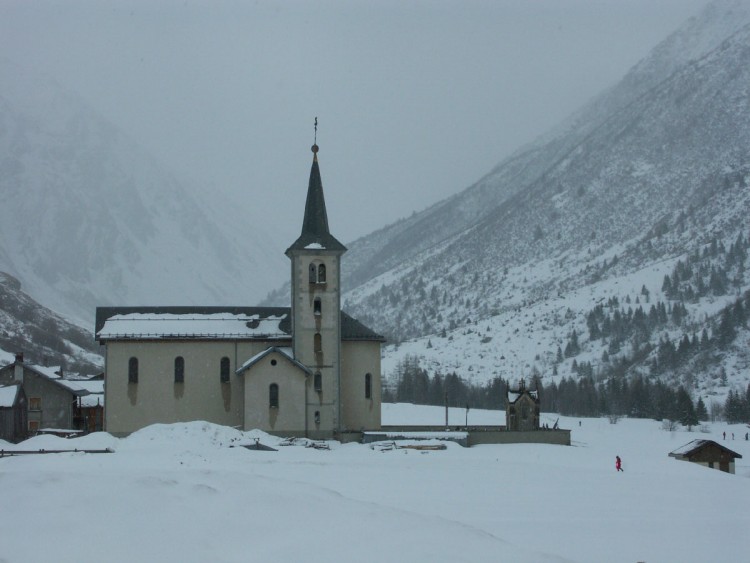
{"type": "Point", "coordinates": [273, 362]}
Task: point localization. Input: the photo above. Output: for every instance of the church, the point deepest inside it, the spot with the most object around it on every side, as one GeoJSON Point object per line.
{"type": "Point", "coordinates": [307, 370]}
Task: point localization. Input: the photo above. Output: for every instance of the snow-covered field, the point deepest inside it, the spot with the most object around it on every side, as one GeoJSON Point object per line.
{"type": "Point", "coordinates": [179, 493]}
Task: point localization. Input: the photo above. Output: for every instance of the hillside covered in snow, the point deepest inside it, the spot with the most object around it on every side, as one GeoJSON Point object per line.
{"type": "Point", "coordinates": [191, 493]}
{"type": "Point", "coordinates": [625, 228]}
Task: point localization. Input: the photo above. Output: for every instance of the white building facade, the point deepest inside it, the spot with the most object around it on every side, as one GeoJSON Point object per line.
{"type": "Point", "coordinates": [308, 370]}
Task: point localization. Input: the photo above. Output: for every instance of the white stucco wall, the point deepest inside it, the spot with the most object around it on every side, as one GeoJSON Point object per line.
{"type": "Point", "coordinates": [357, 359]}
{"type": "Point", "coordinates": [156, 398]}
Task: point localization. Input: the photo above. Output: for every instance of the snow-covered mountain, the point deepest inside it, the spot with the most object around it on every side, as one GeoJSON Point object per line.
{"type": "Point", "coordinates": [653, 172]}
{"type": "Point", "coordinates": [89, 218]}
{"type": "Point", "coordinates": [44, 337]}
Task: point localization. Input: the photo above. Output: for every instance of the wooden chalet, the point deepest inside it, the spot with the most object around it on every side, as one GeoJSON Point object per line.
{"type": "Point", "coordinates": [707, 453]}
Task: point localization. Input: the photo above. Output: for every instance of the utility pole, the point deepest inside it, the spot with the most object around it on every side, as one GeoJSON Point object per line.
{"type": "Point", "coordinates": [446, 410]}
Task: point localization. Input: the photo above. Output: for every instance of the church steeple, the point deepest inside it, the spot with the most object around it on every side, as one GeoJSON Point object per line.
{"type": "Point", "coordinates": [316, 309]}
{"type": "Point", "coordinates": [315, 233]}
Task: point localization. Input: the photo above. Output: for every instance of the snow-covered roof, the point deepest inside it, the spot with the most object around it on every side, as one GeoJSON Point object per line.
{"type": "Point", "coordinates": [8, 395]}
{"type": "Point", "coordinates": [696, 445]}
{"type": "Point", "coordinates": [216, 325]}
{"type": "Point", "coordinates": [513, 396]}
{"type": "Point", "coordinates": [219, 323]}
{"type": "Point", "coordinates": [92, 400]}
{"type": "Point", "coordinates": [284, 351]}
{"type": "Point", "coordinates": [90, 393]}
{"type": "Point", "coordinates": [51, 372]}
{"type": "Point", "coordinates": [420, 435]}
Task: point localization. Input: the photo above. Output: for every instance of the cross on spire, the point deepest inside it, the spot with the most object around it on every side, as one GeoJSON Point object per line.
{"type": "Point", "coordinates": [315, 143]}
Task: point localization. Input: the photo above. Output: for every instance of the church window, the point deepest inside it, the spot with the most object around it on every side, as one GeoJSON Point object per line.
{"type": "Point", "coordinates": [322, 273]}
{"type": "Point", "coordinates": [317, 417]}
{"type": "Point", "coordinates": [273, 396]}
{"type": "Point", "coordinates": [317, 307]}
{"type": "Point", "coordinates": [318, 343]}
{"type": "Point", "coordinates": [133, 370]}
{"type": "Point", "coordinates": [179, 369]}
{"type": "Point", "coordinates": [318, 382]}
{"type": "Point", "coordinates": [368, 386]}
{"type": "Point", "coordinates": [224, 370]}
{"type": "Point", "coordinates": [313, 273]}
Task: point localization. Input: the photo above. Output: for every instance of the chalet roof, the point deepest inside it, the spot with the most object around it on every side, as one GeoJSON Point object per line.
{"type": "Point", "coordinates": [218, 323]}
{"type": "Point", "coordinates": [285, 351]}
{"type": "Point", "coordinates": [8, 395]}
{"type": "Point", "coordinates": [52, 375]}
{"type": "Point", "coordinates": [695, 446]}
{"type": "Point", "coordinates": [90, 392]}
{"type": "Point", "coordinates": [315, 233]}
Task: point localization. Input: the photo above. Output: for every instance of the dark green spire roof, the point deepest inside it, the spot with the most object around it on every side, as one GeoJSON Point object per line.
{"type": "Point", "coordinates": [315, 224]}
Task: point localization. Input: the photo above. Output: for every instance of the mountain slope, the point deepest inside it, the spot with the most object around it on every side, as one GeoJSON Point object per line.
{"type": "Point", "coordinates": [88, 218]}
{"type": "Point", "coordinates": [654, 171]}
{"type": "Point", "coordinates": [376, 253]}
{"type": "Point", "coordinates": [44, 337]}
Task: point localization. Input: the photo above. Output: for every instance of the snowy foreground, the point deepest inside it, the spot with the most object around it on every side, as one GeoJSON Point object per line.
{"type": "Point", "coordinates": [179, 493]}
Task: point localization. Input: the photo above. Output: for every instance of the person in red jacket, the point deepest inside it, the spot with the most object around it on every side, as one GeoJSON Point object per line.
{"type": "Point", "coordinates": [618, 464]}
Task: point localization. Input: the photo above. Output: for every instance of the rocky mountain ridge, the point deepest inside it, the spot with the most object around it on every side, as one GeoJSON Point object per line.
{"type": "Point", "coordinates": [41, 335]}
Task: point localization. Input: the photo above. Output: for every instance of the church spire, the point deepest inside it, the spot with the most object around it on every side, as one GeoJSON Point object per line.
{"type": "Point", "coordinates": [315, 233]}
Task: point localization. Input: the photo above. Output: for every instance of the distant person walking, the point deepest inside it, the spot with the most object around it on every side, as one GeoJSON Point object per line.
{"type": "Point", "coordinates": [618, 464]}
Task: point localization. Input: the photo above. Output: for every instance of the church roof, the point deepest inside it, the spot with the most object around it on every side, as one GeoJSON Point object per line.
{"type": "Point", "coordinates": [315, 233]}
{"type": "Point", "coordinates": [219, 323]}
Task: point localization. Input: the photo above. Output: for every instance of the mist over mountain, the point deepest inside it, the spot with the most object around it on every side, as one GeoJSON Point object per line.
{"type": "Point", "coordinates": [614, 244]}
{"type": "Point", "coordinates": [651, 173]}
{"type": "Point", "coordinates": [88, 218]}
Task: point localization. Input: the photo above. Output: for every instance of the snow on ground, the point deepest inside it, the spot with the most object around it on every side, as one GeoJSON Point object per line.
{"type": "Point", "coordinates": [180, 493]}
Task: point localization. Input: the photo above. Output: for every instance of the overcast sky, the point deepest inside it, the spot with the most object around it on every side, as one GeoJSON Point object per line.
{"type": "Point", "coordinates": [415, 100]}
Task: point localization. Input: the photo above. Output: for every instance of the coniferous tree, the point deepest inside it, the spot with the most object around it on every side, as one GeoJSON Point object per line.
{"type": "Point", "coordinates": [701, 413]}
{"type": "Point", "coordinates": [726, 331]}
{"type": "Point", "coordinates": [685, 411]}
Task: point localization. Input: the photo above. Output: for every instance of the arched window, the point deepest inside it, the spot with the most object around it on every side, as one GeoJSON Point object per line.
{"type": "Point", "coordinates": [317, 307]}
{"type": "Point", "coordinates": [368, 386]}
{"type": "Point", "coordinates": [318, 382]}
{"type": "Point", "coordinates": [179, 369]}
{"type": "Point", "coordinates": [224, 370]}
{"type": "Point", "coordinates": [313, 273]}
{"type": "Point", "coordinates": [273, 396]}
{"type": "Point", "coordinates": [318, 343]}
{"type": "Point", "coordinates": [317, 417]}
{"type": "Point", "coordinates": [133, 370]}
{"type": "Point", "coordinates": [322, 273]}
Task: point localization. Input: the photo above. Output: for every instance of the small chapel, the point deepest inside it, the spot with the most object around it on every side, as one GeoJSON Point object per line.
{"type": "Point", "coordinates": [309, 370]}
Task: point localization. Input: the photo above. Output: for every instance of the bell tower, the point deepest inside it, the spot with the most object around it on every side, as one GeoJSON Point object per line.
{"type": "Point", "coordinates": [316, 309]}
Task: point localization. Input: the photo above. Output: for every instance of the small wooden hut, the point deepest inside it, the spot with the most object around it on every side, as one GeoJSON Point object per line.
{"type": "Point", "coordinates": [707, 453]}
